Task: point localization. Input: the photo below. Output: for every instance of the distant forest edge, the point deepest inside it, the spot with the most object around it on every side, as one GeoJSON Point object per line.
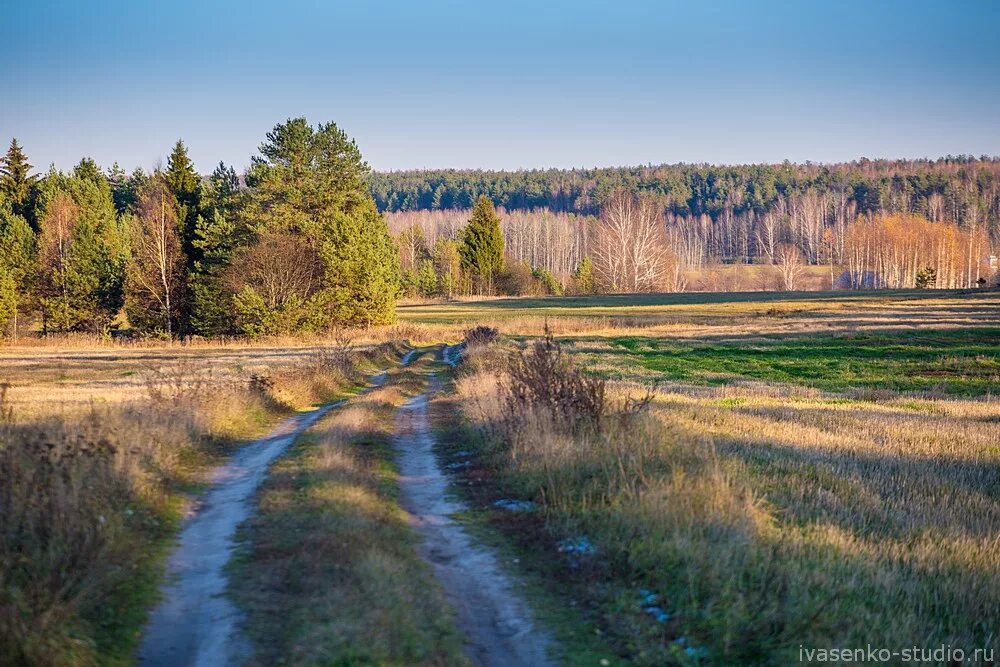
{"type": "Point", "coordinates": [871, 223]}
{"type": "Point", "coordinates": [309, 239]}
{"type": "Point", "coordinates": [954, 186]}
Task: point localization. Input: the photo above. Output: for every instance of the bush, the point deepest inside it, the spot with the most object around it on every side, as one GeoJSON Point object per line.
{"type": "Point", "coordinates": [481, 335]}
{"type": "Point", "coordinates": [543, 378]}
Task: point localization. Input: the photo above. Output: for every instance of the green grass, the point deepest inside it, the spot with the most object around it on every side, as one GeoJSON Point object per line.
{"type": "Point", "coordinates": [962, 362]}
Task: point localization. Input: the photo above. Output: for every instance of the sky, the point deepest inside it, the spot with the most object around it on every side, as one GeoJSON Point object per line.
{"type": "Point", "coordinates": [504, 84]}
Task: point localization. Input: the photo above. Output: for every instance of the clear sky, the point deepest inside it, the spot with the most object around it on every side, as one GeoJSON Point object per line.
{"type": "Point", "coordinates": [503, 84]}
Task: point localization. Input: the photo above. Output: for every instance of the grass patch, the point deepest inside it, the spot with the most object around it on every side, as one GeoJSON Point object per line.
{"type": "Point", "coordinates": [755, 519]}
{"type": "Point", "coordinates": [955, 362]}
{"type": "Point", "coordinates": [92, 498]}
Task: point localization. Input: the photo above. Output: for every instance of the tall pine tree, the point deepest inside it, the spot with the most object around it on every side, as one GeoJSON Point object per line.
{"type": "Point", "coordinates": [482, 244]}
{"type": "Point", "coordinates": [312, 182]}
{"type": "Point", "coordinates": [220, 230]}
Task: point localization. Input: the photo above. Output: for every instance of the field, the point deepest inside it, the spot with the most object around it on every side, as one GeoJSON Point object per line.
{"type": "Point", "coordinates": [697, 479]}
{"type": "Point", "coordinates": [817, 470]}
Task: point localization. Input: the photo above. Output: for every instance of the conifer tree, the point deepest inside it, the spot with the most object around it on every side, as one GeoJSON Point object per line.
{"type": "Point", "coordinates": [17, 268]}
{"type": "Point", "coordinates": [583, 277]}
{"type": "Point", "coordinates": [312, 182]}
{"type": "Point", "coordinates": [16, 180]}
{"type": "Point", "coordinates": [482, 244]}
{"type": "Point", "coordinates": [185, 184]}
{"type": "Point", "coordinates": [219, 232]}
{"type": "Point", "coordinates": [82, 254]}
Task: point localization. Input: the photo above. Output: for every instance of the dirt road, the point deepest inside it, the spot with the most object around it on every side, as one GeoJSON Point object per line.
{"type": "Point", "coordinates": [496, 622]}
{"type": "Point", "coordinates": [195, 623]}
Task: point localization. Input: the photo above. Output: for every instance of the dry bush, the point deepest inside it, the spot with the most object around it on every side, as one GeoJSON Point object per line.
{"type": "Point", "coordinates": [481, 335]}
{"type": "Point", "coordinates": [80, 500]}
{"type": "Point", "coordinates": [543, 378]}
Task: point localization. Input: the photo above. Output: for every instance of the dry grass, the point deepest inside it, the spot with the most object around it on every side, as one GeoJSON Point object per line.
{"type": "Point", "coordinates": [765, 516]}
{"type": "Point", "coordinates": [92, 492]}
{"type": "Point", "coordinates": [716, 316]}
{"type": "Point", "coordinates": [330, 574]}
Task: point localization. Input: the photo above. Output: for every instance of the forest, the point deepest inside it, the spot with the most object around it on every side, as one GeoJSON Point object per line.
{"type": "Point", "coordinates": [870, 223]}
{"type": "Point", "coordinates": [308, 238]}
{"type": "Point", "coordinates": [294, 244]}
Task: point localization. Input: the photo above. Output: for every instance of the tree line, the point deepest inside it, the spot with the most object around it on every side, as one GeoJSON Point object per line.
{"type": "Point", "coordinates": [633, 245]}
{"type": "Point", "coordinates": [297, 244]}
{"type": "Point", "coordinates": [730, 212]}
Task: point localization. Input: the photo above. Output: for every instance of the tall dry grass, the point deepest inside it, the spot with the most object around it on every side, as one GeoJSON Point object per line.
{"type": "Point", "coordinates": [761, 518]}
{"type": "Point", "coordinates": [90, 497]}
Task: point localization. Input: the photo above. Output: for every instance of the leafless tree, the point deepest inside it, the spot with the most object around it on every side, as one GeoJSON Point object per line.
{"type": "Point", "coordinates": [630, 251]}
{"type": "Point", "coordinates": [54, 246]}
{"type": "Point", "coordinates": [791, 264]}
{"type": "Point", "coordinates": [156, 267]}
{"type": "Point", "coordinates": [279, 267]}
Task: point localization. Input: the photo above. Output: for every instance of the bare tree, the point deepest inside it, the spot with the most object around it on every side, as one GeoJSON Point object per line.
{"type": "Point", "coordinates": [56, 237]}
{"type": "Point", "coordinates": [280, 267]}
{"type": "Point", "coordinates": [156, 268]}
{"type": "Point", "coordinates": [791, 264]}
{"type": "Point", "coordinates": [630, 253]}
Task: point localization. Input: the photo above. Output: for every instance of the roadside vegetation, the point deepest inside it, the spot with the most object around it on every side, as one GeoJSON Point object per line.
{"type": "Point", "coordinates": [834, 489]}
{"type": "Point", "coordinates": [329, 572]}
{"type": "Point", "coordinates": [92, 492]}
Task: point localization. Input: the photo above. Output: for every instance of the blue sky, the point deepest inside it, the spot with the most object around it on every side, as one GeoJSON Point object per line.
{"type": "Point", "coordinates": [512, 84]}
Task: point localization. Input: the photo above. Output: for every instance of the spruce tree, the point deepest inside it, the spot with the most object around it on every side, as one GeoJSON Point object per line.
{"type": "Point", "coordinates": [16, 180]}
{"type": "Point", "coordinates": [482, 244]}
{"type": "Point", "coordinates": [82, 253]}
{"type": "Point", "coordinates": [18, 268]}
{"type": "Point", "coordinates": [583, 277]}
{"type": "Point", "coordinates": [185, 184]}
{"type": "Point", "coordinates": [220, 230]}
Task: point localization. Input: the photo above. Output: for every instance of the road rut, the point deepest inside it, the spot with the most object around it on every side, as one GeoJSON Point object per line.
{"type": "Point", "coordinates": [497, 623]}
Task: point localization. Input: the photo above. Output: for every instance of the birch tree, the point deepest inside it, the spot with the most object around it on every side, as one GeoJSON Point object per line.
{"type": "Point", "coordinates": [630, 251]}
{"type": "Point", "coordinates": [155, 285]}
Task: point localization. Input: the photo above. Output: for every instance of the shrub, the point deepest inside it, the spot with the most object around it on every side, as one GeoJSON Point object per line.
{"type": "Point", "coordinates": [481, 335]}
{"type": "Point", "coordinates": [543, 378]}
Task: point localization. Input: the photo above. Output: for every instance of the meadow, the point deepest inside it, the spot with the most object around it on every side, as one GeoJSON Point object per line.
{"type": "Point", "coordinates": [710, 478]}
{"type": "Point", "coordinates": [808, 470]}
{"type": "Point", "coordinates": [103, 449]}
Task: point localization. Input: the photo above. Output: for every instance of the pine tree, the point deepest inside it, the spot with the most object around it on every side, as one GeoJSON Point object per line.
{"type": "Point", "coordinates": [482, 244]}
{"type": "Point", "coordinates": [16, 180]}
{"type": "Point", "coordinates": [312, 182]}
{"type": "Point", "coordinates": [220, 230]}
{"type": "Point", "coordinates": [583, 277]}
{"type": "Point", "coordinates": [427, 281]}
{"type": "Point", "coordinates": [185, 184]}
